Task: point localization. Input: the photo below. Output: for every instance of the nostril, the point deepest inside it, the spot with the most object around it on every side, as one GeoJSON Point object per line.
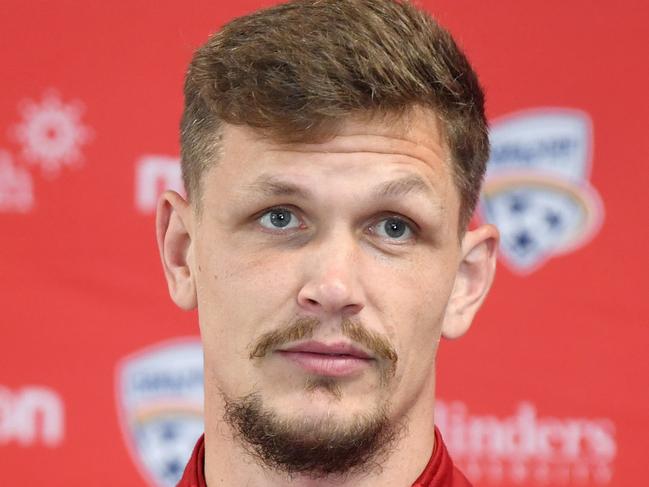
{"type": "Point", "coordinates": [352, 309]}
{"type": "Point", "coordinates": [312, 302]}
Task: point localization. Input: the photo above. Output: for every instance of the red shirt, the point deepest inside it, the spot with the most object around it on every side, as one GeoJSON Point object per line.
{"type": "Point", "coordinates": [440, 471]}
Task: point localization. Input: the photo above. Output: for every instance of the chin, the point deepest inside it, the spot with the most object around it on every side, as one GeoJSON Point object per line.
{"type": "Point", "coordinates": [312, 432]}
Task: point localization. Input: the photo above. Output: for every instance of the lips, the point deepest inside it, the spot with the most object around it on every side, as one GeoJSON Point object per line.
{"type": "Point", "coordinates": [332, 360]}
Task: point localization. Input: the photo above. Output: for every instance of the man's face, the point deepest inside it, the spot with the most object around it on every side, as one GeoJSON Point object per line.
{"type": "Point", "coordinates": [351, 245]}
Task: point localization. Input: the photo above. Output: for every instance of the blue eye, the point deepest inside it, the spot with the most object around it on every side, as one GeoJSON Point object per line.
{"type": "Point", "coordinates": [394, 228]}
{"type": "Point", "coordinates": [279, 219]}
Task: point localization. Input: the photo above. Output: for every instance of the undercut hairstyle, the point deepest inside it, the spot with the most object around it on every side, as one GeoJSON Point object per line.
{"type": "Point", "coordinates": [295, 70]}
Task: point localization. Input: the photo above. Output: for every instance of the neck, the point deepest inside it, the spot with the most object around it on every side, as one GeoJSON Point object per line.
{"type": "Point", "coordinates": [228, 463]}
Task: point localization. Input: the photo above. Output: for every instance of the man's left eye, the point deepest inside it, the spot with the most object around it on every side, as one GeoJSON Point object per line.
{"type": "Point", "coordinates": [279, 219]}
{"type": "Point", "coordinates": [393, 228]}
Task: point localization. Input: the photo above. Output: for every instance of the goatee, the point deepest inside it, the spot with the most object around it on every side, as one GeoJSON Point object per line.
{"type": "Point", "coordinates": [316, 448]}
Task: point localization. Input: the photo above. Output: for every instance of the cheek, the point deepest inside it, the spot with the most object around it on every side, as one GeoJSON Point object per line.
{"type": "Point", "coordinates": [240, 295]}
{"type": "Point", "coordinates": [416, 307]}
{"type": "Point", "coordinates": [427, 309]}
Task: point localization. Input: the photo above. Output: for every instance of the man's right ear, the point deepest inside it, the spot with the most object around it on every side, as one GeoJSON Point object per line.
{"type": "Point", "coordinates": [174, 220]}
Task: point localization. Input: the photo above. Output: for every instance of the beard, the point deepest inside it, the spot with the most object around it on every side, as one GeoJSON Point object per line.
{"type": "Point", "coordinates": [314, 447]}
{"type": "Point", "coordinates": [324, 446]}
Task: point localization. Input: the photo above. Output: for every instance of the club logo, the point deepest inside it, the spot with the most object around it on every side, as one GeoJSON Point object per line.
{"type": "Point", "coordinates": [160, 404]}
{"type": "Point", "coordinates": [537, 189]}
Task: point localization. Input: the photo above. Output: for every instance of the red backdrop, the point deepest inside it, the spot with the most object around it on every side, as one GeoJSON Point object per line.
{"type": "Point", "coordinates": [551, 385]}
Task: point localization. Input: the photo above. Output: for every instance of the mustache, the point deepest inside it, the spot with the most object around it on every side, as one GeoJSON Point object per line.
{"type": "Point", "coordinates": [303, 328]}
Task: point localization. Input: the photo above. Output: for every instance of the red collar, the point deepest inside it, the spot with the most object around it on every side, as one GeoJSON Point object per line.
{"type": "Point", "coordinates": [440, 471]}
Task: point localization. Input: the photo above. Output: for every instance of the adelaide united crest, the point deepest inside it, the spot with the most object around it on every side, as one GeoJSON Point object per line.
{"type": "Point", "coordinates": [537, 189]}
{"type": "Point", "coordinates": [159, 393]}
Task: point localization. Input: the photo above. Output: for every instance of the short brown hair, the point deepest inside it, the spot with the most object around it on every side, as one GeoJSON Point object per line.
{"type": "Point", "coordinates": [294, 69]}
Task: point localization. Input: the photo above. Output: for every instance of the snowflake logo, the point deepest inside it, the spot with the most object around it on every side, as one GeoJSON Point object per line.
{"type": "Point", "coordinates": [51, 133]}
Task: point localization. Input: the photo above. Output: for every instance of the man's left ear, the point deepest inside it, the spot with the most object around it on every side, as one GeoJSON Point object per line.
{"type": "Point", "coordinates": [472, 281]}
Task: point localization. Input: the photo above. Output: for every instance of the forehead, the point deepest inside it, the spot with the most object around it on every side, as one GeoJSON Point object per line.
{"type": "Point", "coordinates": [367, 151]}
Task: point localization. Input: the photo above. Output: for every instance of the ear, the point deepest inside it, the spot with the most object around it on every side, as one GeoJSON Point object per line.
{"type": "Point", "coordinates": [174, 219]}
{"type": "Point", "coordinates": [472, 281]}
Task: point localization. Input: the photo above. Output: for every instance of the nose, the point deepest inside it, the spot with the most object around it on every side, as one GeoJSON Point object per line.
{"type": "Point", "coordinates": [331, 281]}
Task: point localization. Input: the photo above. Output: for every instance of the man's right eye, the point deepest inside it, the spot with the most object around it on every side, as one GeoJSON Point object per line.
{"type": "Point", "coordinates": [279, 219]}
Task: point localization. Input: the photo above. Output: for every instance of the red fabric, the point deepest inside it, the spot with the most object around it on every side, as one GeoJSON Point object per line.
{"type": "Point", "coordinates": [440, 471]}
{"type": "Point", "coordinates": [194, 475]}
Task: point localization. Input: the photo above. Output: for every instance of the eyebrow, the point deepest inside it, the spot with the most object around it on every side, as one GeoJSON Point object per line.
{"type": "Point", "coordinates": [270, 185]}
{"type": "Point", "coordinates": [402, 187]}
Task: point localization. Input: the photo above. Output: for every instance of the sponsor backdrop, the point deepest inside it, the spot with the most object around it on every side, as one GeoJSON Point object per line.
{"type": "Point", "coordinates": [100, 375]}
